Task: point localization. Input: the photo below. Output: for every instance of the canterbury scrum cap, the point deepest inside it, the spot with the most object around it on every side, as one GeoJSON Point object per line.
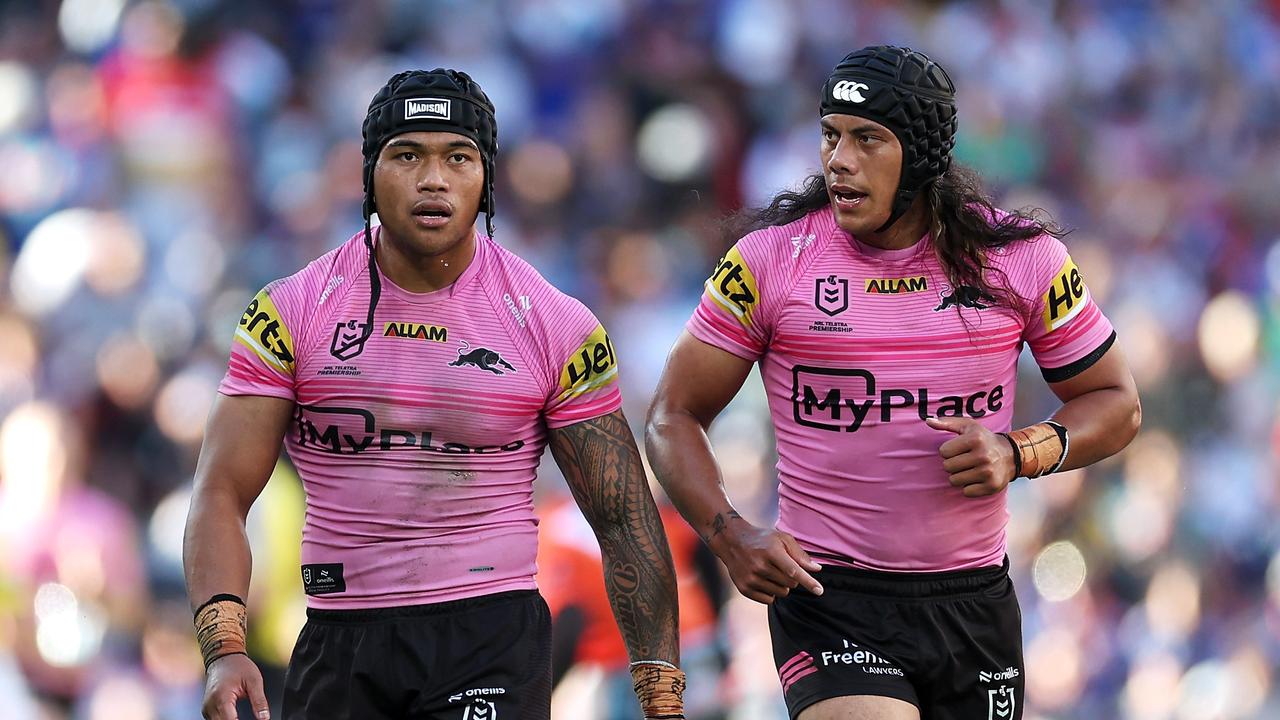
{"type": "Point", "coordinates": [911, 95]}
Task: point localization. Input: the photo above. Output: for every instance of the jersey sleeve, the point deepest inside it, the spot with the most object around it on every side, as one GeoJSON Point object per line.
{"type": "Point", "coordinates": [730, 314]}
{"type": "Point", "coordinates": [585, 368]}
{"type": "Point", "coordinates": [1067, 332]}
{"type": "Point", "coordinates": [262, 353]}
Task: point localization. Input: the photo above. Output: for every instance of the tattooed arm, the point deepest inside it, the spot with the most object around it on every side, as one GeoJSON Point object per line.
{"type": "Point", "coordinates": [698, 382]}
{"type": "Point", "coordinates": [600, 461]}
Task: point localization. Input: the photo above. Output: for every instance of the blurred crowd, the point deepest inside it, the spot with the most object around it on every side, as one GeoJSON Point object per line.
{"type": "Point", "coordinates": [161, 160]}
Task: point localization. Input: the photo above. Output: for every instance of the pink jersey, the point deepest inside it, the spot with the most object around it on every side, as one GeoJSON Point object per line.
{"type": "Point", "coordinates": [857, 346]}
{"type": "Point", "coordinates": [418, 449]}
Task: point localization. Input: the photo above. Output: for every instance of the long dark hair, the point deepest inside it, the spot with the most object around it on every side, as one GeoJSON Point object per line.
{"type": "Point", "coordinates": [966, 226]}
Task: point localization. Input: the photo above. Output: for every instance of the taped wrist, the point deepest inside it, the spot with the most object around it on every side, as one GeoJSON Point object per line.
{"type": "Point", "coordinates": [221, 626]}
{"type": "Point", "coordinates": [659, 686]}
{"type": "Point", "coordinates": [1038, 450]}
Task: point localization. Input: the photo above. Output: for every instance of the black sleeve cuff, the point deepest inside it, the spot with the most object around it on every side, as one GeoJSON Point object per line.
{"type": "Point", "coordinates": [1066, 372]}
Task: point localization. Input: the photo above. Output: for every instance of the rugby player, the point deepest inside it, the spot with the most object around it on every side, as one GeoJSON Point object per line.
{"type": "Point", "coordinates": [887, 303]}
{"type": "Point", "coordinates": [415, 374]}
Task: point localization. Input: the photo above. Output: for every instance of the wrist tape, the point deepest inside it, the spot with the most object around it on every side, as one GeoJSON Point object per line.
{"type": "Point", "coordinates": [659, 686]}
{"type": "Point", "coordinates": [1038, 450]}
{"type": "Point", "coordinates": [221, 625]}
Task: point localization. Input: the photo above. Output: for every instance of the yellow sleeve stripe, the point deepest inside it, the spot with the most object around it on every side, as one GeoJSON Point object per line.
{"type": "Point", "coordinates": [248, 341]}
{"type": "Point", "coordinates": [263, 331]}
{"type": "Point", "coordinates": [585, 388]}
{"type": "Point", "coordinates": [726, 303]}
{"type": "Point", "coordinates": [1066, 296]}
{"type": "Point", "coordinates": [593, 365]}
{"type": "Point", "coordinates": [733, 286]}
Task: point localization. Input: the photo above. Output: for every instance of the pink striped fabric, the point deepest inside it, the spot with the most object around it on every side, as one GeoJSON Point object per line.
{"type": "Point", "coordinates": [418, 450]}
{"type": "Point", "coordinates": [799, 667]}
{"type": "Point", "coordinates": [857, 346]}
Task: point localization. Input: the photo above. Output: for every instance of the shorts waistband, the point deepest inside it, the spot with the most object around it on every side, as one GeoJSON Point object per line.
{"type": "Point", "coordinates": [410, 611]}
{"type": "Point", "coordinates": [912, 584]}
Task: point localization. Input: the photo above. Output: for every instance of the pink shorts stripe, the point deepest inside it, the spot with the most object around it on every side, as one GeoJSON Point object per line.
{"type": "Point", "coordinates": [806, 664]}
{"type": "Point", "coordinates": [786, 685]}
{"type": "Point", "coordinates": [788, 665]}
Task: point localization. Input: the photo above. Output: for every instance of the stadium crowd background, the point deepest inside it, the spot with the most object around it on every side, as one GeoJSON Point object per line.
{"type": "Point", "coordinates": [160, 160]}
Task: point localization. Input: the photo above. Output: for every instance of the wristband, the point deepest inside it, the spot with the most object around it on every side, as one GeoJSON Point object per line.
{"type": "Point", "coordinates": [1017, 457]}
{"type": "Point", "coordinates": [659, 686]}
{"type": "Point", "coordinates": [1038, 450]}
{"type": "Point", "coordinates": [221, 625]}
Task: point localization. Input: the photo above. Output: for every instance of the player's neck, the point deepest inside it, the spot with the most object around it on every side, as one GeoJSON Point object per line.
{"type": "Point", "coordinates": [903, 233]}
{"type": "Point", "coordinates": [419, 273]}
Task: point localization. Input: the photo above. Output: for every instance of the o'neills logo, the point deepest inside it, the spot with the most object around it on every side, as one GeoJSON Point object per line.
{"type": "Point", "coordinates": [1008, 673]}
{"type": "Point", "coordinates": [433, 108]}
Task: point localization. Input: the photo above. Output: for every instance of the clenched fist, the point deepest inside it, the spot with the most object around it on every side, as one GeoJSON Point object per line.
{"type": "Point", "coordinates": [979, 461]}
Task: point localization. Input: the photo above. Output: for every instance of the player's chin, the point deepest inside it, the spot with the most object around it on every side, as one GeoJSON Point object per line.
{"type": "Point", "coordinates": [438, 238]}
{"type": "Point", "coordinates": [859, 222]}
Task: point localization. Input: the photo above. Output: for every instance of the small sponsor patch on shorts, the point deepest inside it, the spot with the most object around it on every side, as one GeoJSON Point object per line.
{"type": "Point", "coordinates": [323, 579]}
{"type": "Point", "coordinates": [482, 568]}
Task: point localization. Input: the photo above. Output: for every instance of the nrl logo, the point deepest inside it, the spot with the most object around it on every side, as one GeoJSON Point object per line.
{"type": "Point", "coordinates": [831, 295]}
{"type": "Point", "coordinates": [1000, 703]}
{"type": "Point", "coordinates": [348, 339]}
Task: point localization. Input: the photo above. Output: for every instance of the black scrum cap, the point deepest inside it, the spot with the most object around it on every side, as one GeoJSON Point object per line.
{"type": "Point", "coordinates": [441, 100]}
{"type": "Point", "coordinates": [911, 95]}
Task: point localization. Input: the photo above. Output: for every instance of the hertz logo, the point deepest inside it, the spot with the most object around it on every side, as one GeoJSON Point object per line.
{"type": "Point", "coordinates": [263, 331]}
{"type": "Point", "coordinates": [897, 286]}
{"type": "Point", "coordinates": [733, 287]}
{"type": "Point", "coordinates": [416, 331]}
{"type": "Point", "coordinates": [1065, 298]}
{"type": "Point", "coordinates": [593, 365]}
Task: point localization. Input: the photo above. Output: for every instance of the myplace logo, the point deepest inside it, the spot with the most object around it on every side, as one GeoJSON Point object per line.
{"type": "Point", "coordinates": [433, 108]}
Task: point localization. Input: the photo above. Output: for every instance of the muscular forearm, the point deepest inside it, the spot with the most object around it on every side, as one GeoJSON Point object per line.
{"type": "Point", "coordinates": [641, 582]}
{"type": "Point", "coordinates": [1099, 423]}
{"type": "Point", "coordinates": [215, 548]}
{"type": "Point", "coordinates": [241, 446]}
{"type": "Point", "coordinates": [602, 467]}
{"type": "Point", "coordinates": [681, 457]}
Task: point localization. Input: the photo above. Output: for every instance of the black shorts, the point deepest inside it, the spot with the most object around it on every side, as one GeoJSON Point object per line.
{"type": "Point", "coordinates": [949, 643]}
{"type": "Point", "coordinates": [480, 658]}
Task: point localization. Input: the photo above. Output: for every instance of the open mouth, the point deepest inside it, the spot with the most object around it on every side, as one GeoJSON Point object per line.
{"type": "Point", "coordinates": [432, 214]}
{"type": "Point", "coordinates": [847, 196]}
